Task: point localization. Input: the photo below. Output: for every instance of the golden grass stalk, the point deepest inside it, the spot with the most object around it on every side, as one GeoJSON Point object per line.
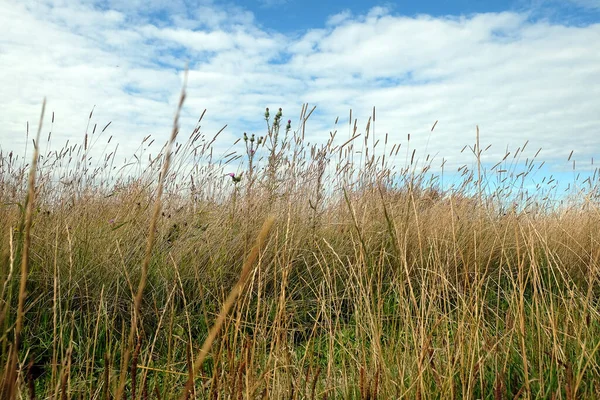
{"type": "Point", "coordinates": [11, 374]}
{"type": "Point", "coordinates": [229, 302]}
{"type": "Point", "coordinates": [150, 242]}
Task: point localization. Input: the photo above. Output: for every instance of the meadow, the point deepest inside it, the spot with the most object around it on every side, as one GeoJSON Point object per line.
{"type": "Point", "coordinates": [289, 270]}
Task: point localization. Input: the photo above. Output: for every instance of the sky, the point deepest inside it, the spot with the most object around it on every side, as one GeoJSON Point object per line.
{"type": "Point", "coordinates": [522, 70]}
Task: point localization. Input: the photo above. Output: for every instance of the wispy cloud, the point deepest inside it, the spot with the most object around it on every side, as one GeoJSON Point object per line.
{"type": "Point", "coordinates": [590, 4]}
{"type": "Point", "coordinates": [516, 78]}
{"type": "Point", "coordinates": [272, 3]}
{"type": "Point", "coordinates": [338, 18]}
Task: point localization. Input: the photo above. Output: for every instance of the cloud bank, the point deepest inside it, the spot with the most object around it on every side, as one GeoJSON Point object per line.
{"type": "Point", "coordinates": [516, 77]}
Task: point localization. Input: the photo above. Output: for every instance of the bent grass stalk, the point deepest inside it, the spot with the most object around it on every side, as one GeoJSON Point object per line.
{"type": "Point", "coordinates": [12, 372]}
{"type": "Point", "coordinates": [229, 302]}
{"type": "Point", "coordinates": [150, 242]}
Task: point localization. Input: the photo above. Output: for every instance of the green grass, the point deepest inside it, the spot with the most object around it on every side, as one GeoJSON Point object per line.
{"type": "Point", "coordinates": [374, 281]}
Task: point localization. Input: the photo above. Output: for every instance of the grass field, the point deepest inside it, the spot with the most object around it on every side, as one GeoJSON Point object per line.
{"type": "Point", "coordinates": [312, 272]}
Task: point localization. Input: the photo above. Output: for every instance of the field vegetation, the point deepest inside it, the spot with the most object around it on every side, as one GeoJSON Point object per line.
{"type": "Point", "coordinates": [288, 270]}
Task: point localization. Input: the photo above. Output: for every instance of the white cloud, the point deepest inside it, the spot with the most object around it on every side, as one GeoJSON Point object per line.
{"type": "Point", "coordinates": [191, 40]}
{"type": "Point", "coordinates": [339, 18]}
{"type": "Point", "coordinates": [515, 78]}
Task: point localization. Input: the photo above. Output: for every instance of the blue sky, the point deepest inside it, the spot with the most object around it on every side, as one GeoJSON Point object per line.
{"type": "Point", "coordinates": [520, 70]}
{"type": "Point", "coordinates": [297, 16]}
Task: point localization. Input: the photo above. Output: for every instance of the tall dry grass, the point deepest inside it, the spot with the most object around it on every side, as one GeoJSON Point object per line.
{"type": "Point", "coordinates": [375, 281]}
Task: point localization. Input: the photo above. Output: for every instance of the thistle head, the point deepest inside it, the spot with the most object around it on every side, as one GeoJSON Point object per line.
{"type": "Point", "coordinates": [234, 178]}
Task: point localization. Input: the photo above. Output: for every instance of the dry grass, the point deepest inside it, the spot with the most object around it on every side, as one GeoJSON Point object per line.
{"type": "Point", "coordinates": [374, 282]}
